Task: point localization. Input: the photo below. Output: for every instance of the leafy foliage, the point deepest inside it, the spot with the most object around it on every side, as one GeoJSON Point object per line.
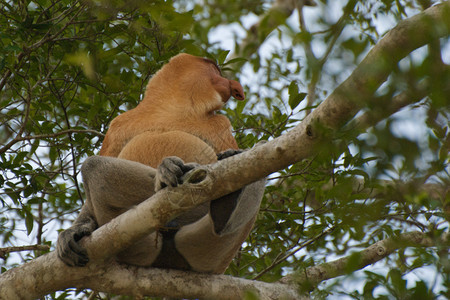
{"type": "Point", "coordinates": [69, 67]}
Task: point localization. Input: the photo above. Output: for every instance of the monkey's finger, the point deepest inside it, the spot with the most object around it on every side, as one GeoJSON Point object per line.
{"type": "Point", "coordinates": [170, 177]}
{"type": "Point", "coordinates": [172, 165]}
{"type": "Point", "coordinates": [188, 167]}
{"type": "Point", "coordinates": [83, 231]}
{"type": "Point", "coordinates": [175, 170]}
{"type": "Point", "coordinates": [72, 254]}
{"type": "Point", "coordinates": [169, 180]}
{"type": "Point", "coordinates": [78, 254]}
{"type": "Point", "coordinates": [228, 153]}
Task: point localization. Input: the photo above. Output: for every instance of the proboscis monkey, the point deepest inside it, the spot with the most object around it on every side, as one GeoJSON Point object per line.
{"type": "Point", "coordinates": [151, 146]}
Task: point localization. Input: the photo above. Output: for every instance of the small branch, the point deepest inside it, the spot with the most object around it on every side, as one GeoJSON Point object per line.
{"type": "Point", "coordinates": [314, 275]}
{"type": "Point", "coordinates": [316, 64]}
{"type": "Point", "coordinates": [46, 136]}
{"type": "Point", "coordinates": [6, 250]}
{"type": "Point", "coordinates": [22, 127]}
{"type": "Point", "coordinates": [432, 190]}
{"type": "Point", "coordinates": [46, 38]}
{"type": "Point", "coordinates": [292, 251]}
{"type": "Point", "coordinates": [9, 72]}
{"type": "Point", "coordinates": [410, 96]}
{"type": "Point", "coordinates": [275, 16]}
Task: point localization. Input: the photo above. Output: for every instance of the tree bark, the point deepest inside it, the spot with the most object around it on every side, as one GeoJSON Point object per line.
{"type": "Point", "coordinates": [47, 274]}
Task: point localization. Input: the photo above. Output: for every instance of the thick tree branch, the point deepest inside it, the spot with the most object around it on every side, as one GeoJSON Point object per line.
{"type": "Point", "coordinates": [47, 273]}
{"type": "Point", "coordinates": [231, 174]}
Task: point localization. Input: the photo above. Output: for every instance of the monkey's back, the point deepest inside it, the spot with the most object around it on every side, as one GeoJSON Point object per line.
{"type": "Point", "coordinates": [150, 148]}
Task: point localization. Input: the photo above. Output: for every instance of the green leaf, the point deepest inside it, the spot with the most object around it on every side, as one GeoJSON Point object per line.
{"type": "Point", "coordinates": [235, 60]}
{"type": "Point", "coordinates": [295, 98]}
{"type": "Point", "coordinates": [29, 220]}
{"type": "Point", "coordinates": [397, 281]}
{"type": "Point", "coordinates": [222, 56]}
{"type": "Point", "coordinates": [53, 154]}
{"type": "Point", "coordinates": [84, 60]}
{"type": "Point", "coordinates": [19, 158]}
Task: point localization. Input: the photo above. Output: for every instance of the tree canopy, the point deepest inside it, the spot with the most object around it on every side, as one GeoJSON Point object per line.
{"type": "Point", "coordinates": [369, 176]}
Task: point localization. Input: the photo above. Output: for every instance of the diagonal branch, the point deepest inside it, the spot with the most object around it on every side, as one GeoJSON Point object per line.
{"type": "Point", "coordinates": [356, 261]}
{"type": "Point", "coordinates": [5, 250]}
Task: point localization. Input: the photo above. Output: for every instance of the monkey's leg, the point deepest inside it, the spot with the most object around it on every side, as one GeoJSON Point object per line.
{"type": "Point", "coordinates": [112, 186]}
{"type": "Point", "coordinates": [209, 250]}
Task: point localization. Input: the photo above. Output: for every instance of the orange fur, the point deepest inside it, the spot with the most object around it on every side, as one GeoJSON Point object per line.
{"type": "Point", "coordinates": [177, 116]}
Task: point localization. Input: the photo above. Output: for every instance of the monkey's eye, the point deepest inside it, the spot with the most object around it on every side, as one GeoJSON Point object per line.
{"type": "Point", "coordinates": [218, 69]}
{"type": "Point", "coordinates": [210, 61]}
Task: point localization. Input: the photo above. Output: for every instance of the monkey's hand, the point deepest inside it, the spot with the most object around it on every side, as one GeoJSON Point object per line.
{"type": "Point", "coordinates": [228, 153]}
{"type": "Point", "coordinates": [170, 171]}
{"type": "Point", "coordinates": [68, 249]}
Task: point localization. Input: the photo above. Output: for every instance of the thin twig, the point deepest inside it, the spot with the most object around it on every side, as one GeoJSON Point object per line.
{"type": "Point", "coordinates": [46, 136]}
{"type": "Point", "coordinates": [6, 250]}
{"type": "Point", "coordinates": [294, 250]}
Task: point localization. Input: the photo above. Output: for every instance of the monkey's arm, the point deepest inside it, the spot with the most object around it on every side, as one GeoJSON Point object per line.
{"type": "Point", "coordinates": [230, 212]}
{"type": "Point", "coordinates": [67, 247]}
{"type": "Point", "coordinates": [222, 208]}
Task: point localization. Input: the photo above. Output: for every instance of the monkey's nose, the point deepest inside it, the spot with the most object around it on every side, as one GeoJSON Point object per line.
{"type": "Point", "coordinates": [236, 94]}
{"type": "Point", "coordinates": [236, 90]}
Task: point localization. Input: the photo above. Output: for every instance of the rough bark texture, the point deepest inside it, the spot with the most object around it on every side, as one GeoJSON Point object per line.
{"type": "Point", "coordinates": [47, 274]}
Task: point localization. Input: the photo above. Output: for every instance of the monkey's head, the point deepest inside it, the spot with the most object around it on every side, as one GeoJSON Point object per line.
{"type": "Point", "coordinates": [191, 82]}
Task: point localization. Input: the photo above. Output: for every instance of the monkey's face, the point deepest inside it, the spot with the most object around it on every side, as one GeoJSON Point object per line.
{"type": "Point", "coordinates": [223, 86]}
{"type": "Point", "coordinates": [211, 90]}
{"type": "Point", "coordinates": [194, 84]}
